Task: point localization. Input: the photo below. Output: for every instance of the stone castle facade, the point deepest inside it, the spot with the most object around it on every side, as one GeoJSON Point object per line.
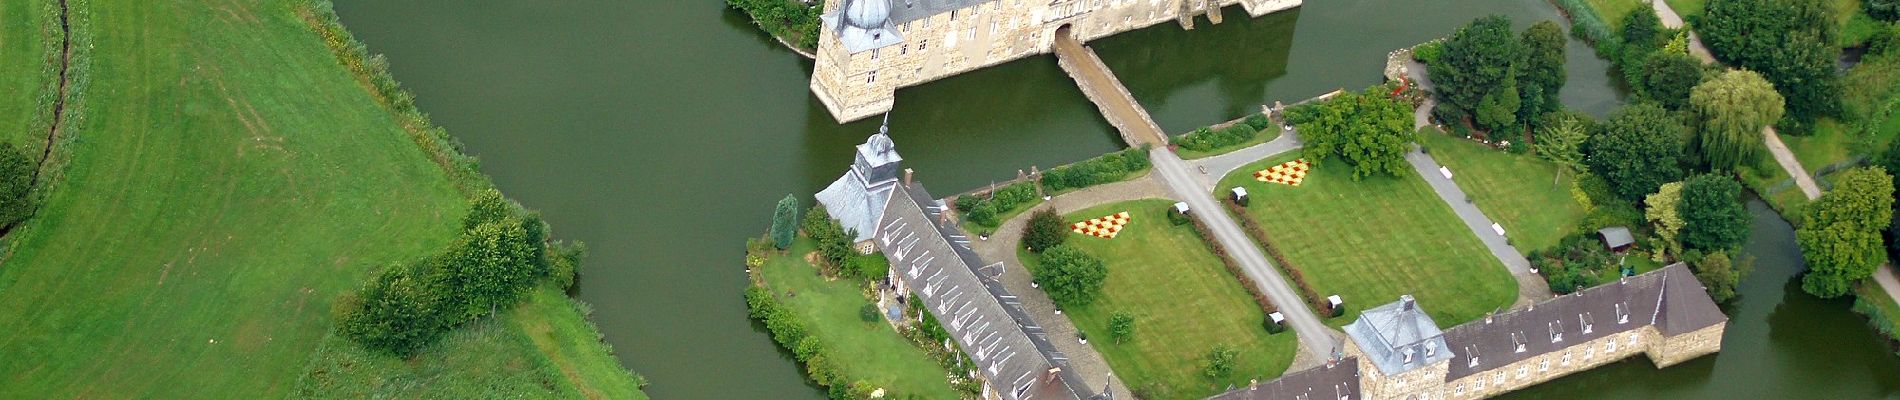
{"type": "Point", "coordinates": [1397, 352]}
{"type": "Point", "coordinates": [867, 49]}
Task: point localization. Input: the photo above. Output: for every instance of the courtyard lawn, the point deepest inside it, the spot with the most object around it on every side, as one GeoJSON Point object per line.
{"type": "Point", "coordinates": [1613, 11]}
{"type": "Point", "coordinates": [1521, 192]}
{"type": "Point", "coordinates": [1184, 302]}
{"type": "Point", "coordinates": [228, 180]}
{"type": "Point", "coordinates": [871, 351]}
{"type": "Point", "coordinates": [29, 41]}
{"type": "Point", "coordinates": [1373, 240]}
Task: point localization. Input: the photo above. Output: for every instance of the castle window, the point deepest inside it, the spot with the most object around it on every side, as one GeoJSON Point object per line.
{"type": "Point", "coordinates": [870, 77]}
{"type": "Point", "coordinates": [923, 44]}
{"type": "Point", "coordinates": [1632, 339]}
{"type": "Point", "coordinates": [903, 49]}
{"type": "Point", "coordinates": [1497, 377]}
{"type": "Point", "coordinates": [953, 15]}
{"type": "Point", "coordinates": [1460, 390]}
{"type": "Point", "coordinates": [1523, 370]}
{"type": "Point", "coordinates": [1609, 346]}
{"type": "Point", "coordinates": [972, 33]}
{"type": "Point", "coordinates": [1480, 386]}
{"type": "Point", "coordinates": [1566, 361]}
{"type": "Point", "coordinates": [1589, 353]}
{"type": "Point", "coordinates": [873, 54]}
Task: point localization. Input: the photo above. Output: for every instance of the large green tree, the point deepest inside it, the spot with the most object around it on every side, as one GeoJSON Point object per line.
{"type": "Point", "coordinates": [1720, 274]}
{"type": "Point", "coordinates": [1733, 108]}
{"type": "Point", "coordinates": [1479, 61]}
{"type": "Point", "coordinates": [1561, 142]}
{"type": "Point", "coordinates": [1072, 277]}
{"type": "Point", "coordinates": [1840, 236]}
{"type": "Point", "coordinates": [1788, 41]}
{"type": "Point", "coordinates": [1541, 71]}
{"type": "Point", "coordinates": [1045, 230]}
{"type": "Point", "coordinates": [1644, 31]}
{"type": "Point", "coordinates": [1638, 150]}
{"type": "Point", "coordinates": [1664, 215]}
{"type": "Point", "coordinates": [1369, 131]}
{"type": "Point", "coordinates": [400, 311]}
{"type": "Point", "coordinates": [1668, 78]}
{"type": "Point", "coordinates": [1712, 213]}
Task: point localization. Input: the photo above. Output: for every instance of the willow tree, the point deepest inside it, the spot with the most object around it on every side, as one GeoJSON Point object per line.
{"type": "Point", "coordinates": [1733, 108]}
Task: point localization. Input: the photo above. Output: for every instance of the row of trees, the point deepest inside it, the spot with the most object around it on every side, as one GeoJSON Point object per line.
{"type": "Point", "coordinates": [1791, 42]}
{"type": "Point", "coordinates": [1496, 79]}
{"type": "Point", "coordinates": [502, 252]}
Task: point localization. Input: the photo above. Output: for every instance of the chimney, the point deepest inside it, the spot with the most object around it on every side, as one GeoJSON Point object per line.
{"type": "Point", "coordinates": [1406, 303]}
{"type": "Point", "coordinates": [907, 175]}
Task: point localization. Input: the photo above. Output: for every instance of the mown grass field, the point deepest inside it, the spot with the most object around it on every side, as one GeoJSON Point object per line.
{"type": "Point", "coordinates": [1613, 11]}
{"type": "Point", "coordinates": [1184, 302]}
{"type": "Point", "coordinates": [29, 38]}
{"type": "Point", "coordinates": [1373, 240]}
{"type": "Point", "coordinates": [228, 181]}
{"type": "Point", "coordinates": [1521, 192]}
{"type": "Point", "coordinates": [871, 351]}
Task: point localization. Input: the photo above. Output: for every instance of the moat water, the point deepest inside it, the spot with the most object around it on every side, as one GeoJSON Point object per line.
{"type": "Point", "coordinates": [660, 133]}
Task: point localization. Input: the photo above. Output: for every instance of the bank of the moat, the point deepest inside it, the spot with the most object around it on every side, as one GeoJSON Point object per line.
{"type": "Point", "coordinates": [661, 132]}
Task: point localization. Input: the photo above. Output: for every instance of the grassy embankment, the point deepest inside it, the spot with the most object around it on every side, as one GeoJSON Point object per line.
{"type": "Point", "coordinates": [241, 181]}
{"type": "Point", "coordinates": [1373, 240]}
{"type": "Point", "coordinates": [1519, 191]}
{"type": "Point", "coordinates": [30, 42]}
{"type": "Point", "coordinates": [1184, 303]}
{"type": "Point", "coordinates": [868, 351]}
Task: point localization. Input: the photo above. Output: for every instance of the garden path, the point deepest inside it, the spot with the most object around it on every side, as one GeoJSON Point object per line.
{"type": "Point", "coordinates": [1219, 166]}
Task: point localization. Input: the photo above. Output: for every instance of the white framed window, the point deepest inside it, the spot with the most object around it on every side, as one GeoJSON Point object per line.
{"type": "Point", "coordinates": [1566, 361]}
{"type": "Point", "coordinates": [1460, 390]}
{"type": "Point", "coordinates": [1480, 386]}
{"type": "Point", "coordinates": [1497, 377]}
{"type": "Point", "coordinates": [1589, 353]}
{"type": "Point", "coordinates": [873, 54]}
{"type": "Point", "coordinates": [870, 77]}
{"type": "Point", "coordinates": [1543, 366]}
{"type": "Point", "coordinates": [1609, 346]}
{"type": "Point", "coordinates": [1632, 339]}
{"type": "Point", "coordinates": [1523, 370]}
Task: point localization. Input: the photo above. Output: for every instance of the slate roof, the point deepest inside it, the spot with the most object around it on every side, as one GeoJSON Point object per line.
{"type": "Point", "coordinates": [856, 206]}
{"type": "Point", "coordinates": [986, 321]}
{"type": "Point", "coordinates": [1339, 381]}
{"type": "Point", "coordinates": [862, 25]}
{"type": "Point", "coordinates": [1670, 299]}
{"type": "Point", "coordinates": [903, 11]}
{"type": "Point", "coordinates": [1398, 336]}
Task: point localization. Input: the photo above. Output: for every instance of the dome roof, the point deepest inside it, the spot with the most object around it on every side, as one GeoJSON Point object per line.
{"type": "Point", "coordinates": [867, 14]}
{"type": "Point", "coordinates": [880, 144]}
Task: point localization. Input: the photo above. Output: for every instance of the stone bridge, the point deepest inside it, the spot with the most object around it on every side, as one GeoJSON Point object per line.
{"type": "Point", "coordinates": [1102, 88]}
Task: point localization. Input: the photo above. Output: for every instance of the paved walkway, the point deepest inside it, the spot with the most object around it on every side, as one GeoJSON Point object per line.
{"type": "Point", "coordinates": [1001, 247]}
{"type": "Point", "coordinates": [1316, 338]}
{"type": "Point", "coordinates": [1531, 287]}
{"type": "Point", "coordinates": [1213, 168]}
{"type": "Point", "coordinates": [1110, 97]}
{"type": "Point", "coordinates": [1673, 21]}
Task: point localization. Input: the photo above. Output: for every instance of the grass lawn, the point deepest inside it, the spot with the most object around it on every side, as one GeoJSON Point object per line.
{"type": "Point", "coordinates": [29, 38]}
{"type": "Point", "coordinates": [871, 351]}
{"type": "Point", "coordinates": [1184, 302]}
{"type": "Point", "coordinates": [229, 180]}
{"type": "Point", "coordinates": [1520, 192]}
{"type": "Point", "coordinates": [1869, 292]}
{"type": "Point", "coordinates": [542, 340]}
{"type": "Point", "coordinates": [1686, 8]}
{"type": "Point", "coordinates": [1373, 240]}
{"type": "Point", "coordinates": [1613, 11]}
{"type": "Point", "coordinates": [1261, 136]}
{"type": "Point", "coordinates": [1833, 142]}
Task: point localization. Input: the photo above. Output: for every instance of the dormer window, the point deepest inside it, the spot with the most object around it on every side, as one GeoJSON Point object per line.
{"type": "Point", "coordinates": [1622, 314]}
{"type": "Point", "coordinates": [1556, 332]}
{"type": "Point", "coordinates": [1517, 341]}
{"type": "Point", "coordinates": [1408, 355]}
{"type": "Point", "coordinates": [1586, 321]}
{"type": "Point", "coordinates": [1472, 353]}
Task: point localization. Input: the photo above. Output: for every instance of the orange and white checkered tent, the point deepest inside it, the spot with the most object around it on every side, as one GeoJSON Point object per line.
{"type": "Point", "coordinates": [1104, 227]}
{"type": "Point", "coordinates": [1287, 173]}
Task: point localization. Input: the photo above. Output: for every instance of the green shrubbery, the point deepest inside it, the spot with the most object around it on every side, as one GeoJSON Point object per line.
{"type": "Point", "coordinates": [1045, 230]}
{"type": "Point", "coordinates": [834, 241]}
{"type": "Point", "coordinates": [1072, 278]}
{"type": "Point", "coordinates": [1205, 139]}
{"type": "Point", "coordinates": [501, 254]}
{"type": "Point", "coordinates": [16, 184]}
{"type": "Point", "coordinates": [790, 332]}
{"type": "Point", "coordinates": [1106, 168]}
{"type": "Point", "coordinates": [789, 20]}
{"type": "Point", "coordinates": [987, 210]}
{"type": "Point", "coordinates": [1787, 41]}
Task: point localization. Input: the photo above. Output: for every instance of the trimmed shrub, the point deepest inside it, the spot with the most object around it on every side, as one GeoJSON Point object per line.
{"type": "Point", "coordinates": [985, 209]}
{"type": "Point", "coordinates": [1045, 230]}
{"type": "Point", "coordinates": [1204, 139]}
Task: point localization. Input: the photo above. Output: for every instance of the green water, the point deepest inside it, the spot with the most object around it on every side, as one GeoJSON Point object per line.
{"type": "Point", "coordinates": [661, 132]}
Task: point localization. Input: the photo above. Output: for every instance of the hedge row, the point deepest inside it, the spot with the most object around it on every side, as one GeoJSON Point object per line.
{"type": "Point", "coordinates": [1253, 288]}
{"type": "Point", "coordinates": [985, 208]}
{"type": "Point", "coordinates": [1313, 298]}
{"type": "Point", "coordinates": [1204, 139]}
{"type": "Point", "coordinates": [1106, 168]}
